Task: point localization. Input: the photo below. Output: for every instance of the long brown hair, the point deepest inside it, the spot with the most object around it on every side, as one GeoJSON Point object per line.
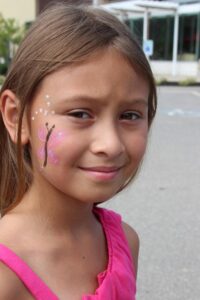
{"type": "Point", "coordinates": [61, 35]}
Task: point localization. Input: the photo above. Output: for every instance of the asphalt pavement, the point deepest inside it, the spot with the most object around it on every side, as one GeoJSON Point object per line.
{"type": "Point", "coordinates": [163, 204]}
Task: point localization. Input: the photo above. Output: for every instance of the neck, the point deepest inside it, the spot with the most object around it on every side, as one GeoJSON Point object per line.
{"type": "Point", "coordinates": [54, 209]}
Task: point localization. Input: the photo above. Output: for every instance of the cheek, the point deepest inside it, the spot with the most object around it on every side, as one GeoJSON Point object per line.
{"type": "Point", "coordinates": [49, 139]}
{"type": "Point", "coordinates": [137, 146]}
{"type": "Point", "coordinates": [72, 149]}
{"type": "Point", "coordinates": [63, 148]}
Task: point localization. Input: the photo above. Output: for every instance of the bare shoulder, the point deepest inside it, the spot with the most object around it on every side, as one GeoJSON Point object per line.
{"type": "Point", "coordinates": [133, 241]}
{"type": "Point", "coordinates": [10, 285]}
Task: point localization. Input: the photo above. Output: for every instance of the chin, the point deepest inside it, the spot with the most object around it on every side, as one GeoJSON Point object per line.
{"type": "Point", "coordinates": [100, 199]}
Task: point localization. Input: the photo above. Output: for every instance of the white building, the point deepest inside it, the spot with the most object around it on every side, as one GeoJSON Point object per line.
{"type": "Point", "coordinates": [174, 28]}
{"type": "Point", "coordinates": [24, 11]}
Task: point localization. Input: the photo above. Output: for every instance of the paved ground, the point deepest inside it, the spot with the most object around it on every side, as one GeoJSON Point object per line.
{"type": "Point", "coordinates": [163, 204]}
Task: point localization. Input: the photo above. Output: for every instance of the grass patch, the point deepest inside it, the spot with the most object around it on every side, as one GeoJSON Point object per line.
{"type": "Point", "coordinates": [187, 82]}
{"type": "Point", "coordinates": [190, 81]}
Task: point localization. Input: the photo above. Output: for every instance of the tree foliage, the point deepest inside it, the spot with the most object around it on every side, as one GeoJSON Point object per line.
{"type": "Point", "coordinates": [11, 34]}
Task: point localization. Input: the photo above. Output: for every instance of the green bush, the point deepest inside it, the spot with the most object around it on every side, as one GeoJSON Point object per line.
{"type": "Point", "coordinates": [161, 81]}
{"type": "Point", "coordinates": [187, 81]}
{"type": "Point", "coordinates": [1, 79]}
{"type": "Point", "coordinates": [11, 34]}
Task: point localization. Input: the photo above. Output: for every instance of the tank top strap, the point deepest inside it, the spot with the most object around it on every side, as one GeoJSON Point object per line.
{"type": "Point", "coordinates": [116, 239]}
{"type": "Point", "coordinates": [32, 281]}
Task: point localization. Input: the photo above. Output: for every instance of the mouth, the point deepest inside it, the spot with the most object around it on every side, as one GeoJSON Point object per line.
{"type": "Point", "coordinates": [102, 173]}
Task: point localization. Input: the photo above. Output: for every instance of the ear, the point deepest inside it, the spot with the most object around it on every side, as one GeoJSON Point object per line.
{"type": "Point", "coordinates": [10, 114]}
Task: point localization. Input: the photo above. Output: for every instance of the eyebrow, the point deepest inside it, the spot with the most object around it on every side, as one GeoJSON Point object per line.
{"type": "Point", "coordinates": [137, 101]}
{"type": "Point", "coordinates": [91, 99]}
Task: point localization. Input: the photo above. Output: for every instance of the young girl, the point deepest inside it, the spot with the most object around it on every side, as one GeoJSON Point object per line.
{"type": "Point", "coordinates": [76, 108]}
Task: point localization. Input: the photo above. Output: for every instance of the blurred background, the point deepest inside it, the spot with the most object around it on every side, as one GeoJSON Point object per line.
{"type": "Point", "coordinates": [169, 32]}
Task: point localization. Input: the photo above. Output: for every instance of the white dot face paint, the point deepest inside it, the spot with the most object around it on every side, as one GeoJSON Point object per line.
{"type": "Point", "coordinates": [44, 110]}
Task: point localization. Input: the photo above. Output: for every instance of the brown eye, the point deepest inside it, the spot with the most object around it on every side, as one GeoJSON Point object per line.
{"type": "Point", "coordinates": [80, 114]}
{"type": "Point", "coordinates": [130, 115]}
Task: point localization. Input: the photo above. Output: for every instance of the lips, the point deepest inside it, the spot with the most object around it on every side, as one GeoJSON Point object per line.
{"type": "Point", "coordinates": [102, 173]}
{"type": "Point", "coordinates": [102, 169]}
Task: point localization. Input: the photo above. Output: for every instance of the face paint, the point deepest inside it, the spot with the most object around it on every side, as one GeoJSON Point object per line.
{"type": "Point", "coordinates": [49, 131]}
{"type": "Point", "coordinates": [44, 110]}
{"type": "Point", "coordinates": [50, 138]}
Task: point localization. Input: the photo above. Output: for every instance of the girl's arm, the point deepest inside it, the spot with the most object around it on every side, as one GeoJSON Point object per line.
{"type": "Point", "coordinates": [133, 241]}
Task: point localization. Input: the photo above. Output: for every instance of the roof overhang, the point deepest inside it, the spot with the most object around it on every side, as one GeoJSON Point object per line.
{"type": "Point", "coordinates": [140, 6]}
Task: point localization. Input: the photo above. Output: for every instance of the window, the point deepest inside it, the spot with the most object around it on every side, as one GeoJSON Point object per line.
{"type": "Point", "coordinates": [136, 27]}
{"type": "Point", "coordinates": [161, 32]}
{"type": "Point", "coordinates": [188, 38]}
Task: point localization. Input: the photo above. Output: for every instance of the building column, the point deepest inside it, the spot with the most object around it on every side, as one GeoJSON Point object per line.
{"type": "Point", "coordinates": [145, 25]}
{"type": "Point", "coordinates": [175, 44]}
{"type": "Point", "coordinates": [198, 38]}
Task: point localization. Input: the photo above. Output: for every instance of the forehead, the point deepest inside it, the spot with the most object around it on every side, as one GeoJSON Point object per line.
{"type": "Point", "coordinates": [104, 74]}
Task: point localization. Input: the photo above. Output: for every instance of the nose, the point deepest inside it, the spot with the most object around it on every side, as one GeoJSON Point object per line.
{"type": "Point", "coordinates": [107, 141]}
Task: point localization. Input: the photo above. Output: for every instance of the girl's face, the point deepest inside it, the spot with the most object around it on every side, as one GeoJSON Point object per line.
{"type": "Point", "coordinates": [89, 127]}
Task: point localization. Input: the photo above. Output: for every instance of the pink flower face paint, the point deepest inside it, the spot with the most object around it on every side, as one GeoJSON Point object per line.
{"type": "Point", "coordinates": [50, 138]}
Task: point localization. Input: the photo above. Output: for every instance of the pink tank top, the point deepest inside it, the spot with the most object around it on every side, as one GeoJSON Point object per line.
{"type": "Point", "coordinates": [116, 283]}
